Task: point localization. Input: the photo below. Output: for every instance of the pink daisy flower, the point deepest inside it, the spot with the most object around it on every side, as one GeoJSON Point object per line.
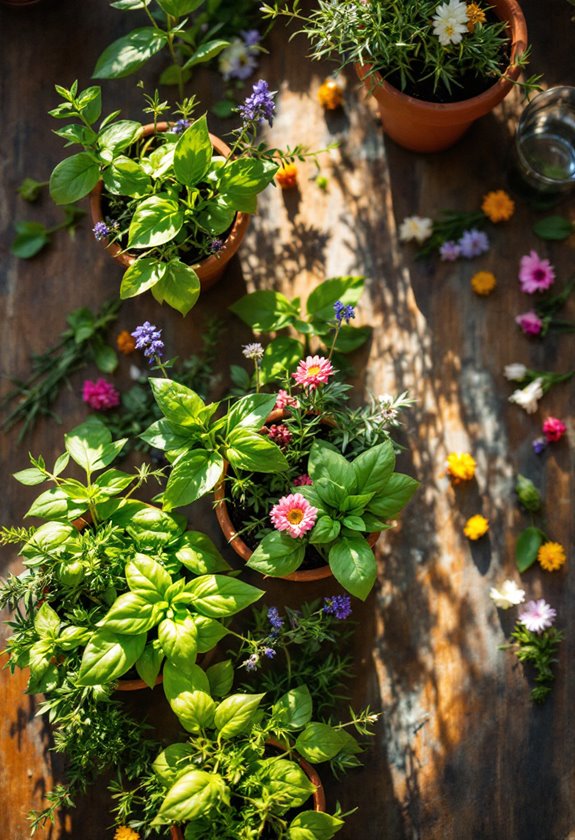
{"type": "Point", "coordinates": [302, 480]}
{"type": "Point", "coordinates": [535, 274]}
{"type": "Point", "coordinates": [100, 395]}
{"type": "Point", "coordinates": [537, 615]}
{"type": "Point", "coordinates": [553, 429]}
{"type": "Point", "coordinates": [284, 400]}
{"type": "Point", "coordinates": [530, 323]}
{"type": "Point", "coordinates": [293, 514]}
{"type": "Point", "coordinates": [313, 371]}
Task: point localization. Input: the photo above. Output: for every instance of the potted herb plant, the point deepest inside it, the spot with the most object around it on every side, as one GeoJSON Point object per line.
{"type": "Point", "coordinates": [170, 200]}
{"type": "Point", "coordinates": [244, 770]}
{"type": "Point", "coordinates": [433, 67]}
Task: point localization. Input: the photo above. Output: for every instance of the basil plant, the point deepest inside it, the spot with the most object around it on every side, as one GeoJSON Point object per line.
{"type": "Point", "coordinates": [167, 198]}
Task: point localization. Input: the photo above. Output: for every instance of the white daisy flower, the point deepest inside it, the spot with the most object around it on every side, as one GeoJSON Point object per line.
{"type": "Point", "coordinates": [415, 227]}
{"type": "Point", "coordinates": [450, 22]}
{"type": "Point", "coordinates": [528, 397]}
{"type": "Point", "coordinates": [515, 372]}
{"type": "Point", "coordinates": [508, 596]}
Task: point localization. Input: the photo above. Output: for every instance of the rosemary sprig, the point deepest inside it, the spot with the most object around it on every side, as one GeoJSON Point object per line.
{"type": "Point", "coordinates": [540, 649]}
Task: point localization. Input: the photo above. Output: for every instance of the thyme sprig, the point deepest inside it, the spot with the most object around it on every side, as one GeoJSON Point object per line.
{"type": "Point", "coordinates": [540, 649]}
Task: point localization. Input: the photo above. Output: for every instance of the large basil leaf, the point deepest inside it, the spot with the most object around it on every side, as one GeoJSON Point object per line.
{"type": "Point", "coordinates": [346, 289]}
{"type": "Point", "coordinates": [108, 655]}
{"type": "Point", "coordinates": [127, 54]}
{"type": "Point", "coordinates": [281, 356]}
{"type": "Point", "coordinates": [210, 631]}
{"type": "Point", "coordinates": [327, 464]}
{"type": "Point", "coordinates": [314, 825]}
{"type": "Point", "coordinates": [178, 8]}
{"type": "Point", "coordinates": [73, 178]}
{"type": "Point", "coordinates": [198, 553]}
{"type": "Point", "coordinates": [149, 664]}
{"type": "Point", "coordinates": [156, 220]}
{"type": "Point", "coordinates": [172, 762]}
{"type": "Point", "coordinates": [374, 467]}
{"type": "Point", "coordinates": [195, 710]}
{"type": "Point", "coordinates": [192, 476]}
{"type": "Point", "coordinates": [178, 639]}
{"type": "Point", "coordinates": [46, 622]}
{"type": "Point", "coordinates": [179, 680]}
{"type": "Point", "coordinates": [236, 714]}
{"type": "Point", "coordinates": [148, 578]}
{"type": "Point", "coordinates": [242, 179]}
{"type": "Point", "coordinates": [193, 794]}
{"type": "Point", "coordinates": [250, 412]}
{"type": "Point", "coordinates": [287, 783]}
{"type": "Point", "coordinates": [178, 403]}
{"type": "Point", "coordinates": [217, 216]}
{"type": "Point", "coordinates": [353, 565]}
{"type": "Point", "coordinates": [206, 51]}
{"type": "Point", "coordinates": [265, 310]}
{"type": "Point", "coordinates": [248, 450]}
{"type": "Point", "coordinates": [277, 555]}
{"type": "Point", "coordinates": [395, 494]}
{"type": "Point", "coordinates": [217, 595]}
{"type": "Point", "coordinates": [90, 445]}
{"type": "Point", "coordinates": [141, 276]}
{"type": "Point", "coordinates": [221, 677]}
{"type": "Point", "coordinates": [320, 742]}
{"type": "Point", "coordinates": [130, 614]}
{"type": "Point", "coordinates": [119, 135]}
{"type": "Point", "coordinates": [126, 177]}
{"type": "Point", "coordinates": [294, 709]}
{"type": "Point", "coordinates": [193, 154]}
{"type": "Point", "coordinates": [179, 287]}
{"type": "Point", "coordinates": [325, 530]}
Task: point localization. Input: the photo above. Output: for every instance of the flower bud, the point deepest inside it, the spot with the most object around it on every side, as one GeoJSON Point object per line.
{"type": "Point", "coordinates": [529, 495]}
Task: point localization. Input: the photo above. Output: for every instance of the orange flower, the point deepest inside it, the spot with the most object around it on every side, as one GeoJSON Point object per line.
{"type": "Point", "coordinates": [476, 527]}
{"type": "Point", "coordinates": [125, 343]}
{"type": "Point", "coordinates": [286, 177]}
{"type": "Point", "coordinates": [125, 833]}
{"type": "Point", "coordinates": [497, 206]}
{"type": "Point", "coordinates": [551, 556]}
{"type": "Point", "coordinates": [483, 282]}
{"type": "Point", "coordinates": [475, 15]}
{"type": "Point", "coordinates": [330, 95]}
{"type": "Point", "coordinates": [460, 466]}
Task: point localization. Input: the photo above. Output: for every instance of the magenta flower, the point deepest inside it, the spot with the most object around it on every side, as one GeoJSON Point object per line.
{"type": "Point", "coordinates": [100, 395]}
{"type": "Point", "coordinates": [302, 480]}
{"type": "Point", "coordinates": [553, 429]}
{"type": "Point", "coordinates": [450, 251]}
{"type": "Point", "coordinates": [537, 615]}
{"type": "Point", "coordinates": [313, 371]}
{"type": "Point", "coordinates": [530, 323]}
{"type": "Point", "coordinates": [280, 434]}
{"type": "Point", "coordinates": [535, 274]}
{"type": "Point", "coordinates": [293, 514]}
{"type": "Point", "coordinates": [284, 400]}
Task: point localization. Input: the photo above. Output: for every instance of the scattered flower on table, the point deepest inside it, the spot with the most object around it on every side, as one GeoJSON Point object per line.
{"type": "Point", "coordinates": [528, 494]}
{"type": "Point", "coordinates": [125, 342]}
{"type": "Point", "coordinates": [539, 445]}
{"type": "Point", "coordinates": [535, 274]}
{"type": "Point", "coordinates": [515, 372]}
{"type": "Point", "coordinates": [343, 312]}
{"type": "Point", "coordinates": [509, 595]}
{"type": "Point", "coordinates": [330, 95]}
{"type": "Point", "coordinates": [275, 619]}
{"type": "Point", "coordinates": [123, 832]}
{"type": "Point", "coordinates": [313, 371]}
{"type": "Point", "coordinates": [476, 527]}
{"type": "Point", "coordinates": [497, 205]}
{"type": "Point", "coordinates": [285, 400]}
{"type": "Point", "coordinates": [100, 395]}
{"type": "Point", "coordinates": [528, 398]}
{"type": "Point", "coordinates": [259, 105]}
{"type": "Point", "coordinates": [553, 429]}
{"type": "Point", "coordinates": [450, 22]}
{"type": "Point", "coordinates": [551, 556]}
{"type": "Point", "coordinates": [338, 606]}
{"type": "Point", "coordinates": [530, 323]}
{"type": "Point", "coordinates": [149, 339]}
{"type": "Point", "coordinates": [537, 615]}
{"type": "Point", "coordinates": [253, 351]}
{"type": "Point", "coordinates": [450, 251]}
{"type": "Point", "coordinates": [460, 466]}
{"type": "Point", "coordinates": [415, 228]}
{"type": "Point", "coordinates": [293, 514]}
{"type": "Point", "coordinates": [286, 176]}
{"type": "Point", "coordinates": [302, 480]}
{"type": "Point", "coordinates": [483, 283]}
{"type": "Point", "coordinates": [180, 126]}
{"type": "Point", "coordinates": [473, 243]}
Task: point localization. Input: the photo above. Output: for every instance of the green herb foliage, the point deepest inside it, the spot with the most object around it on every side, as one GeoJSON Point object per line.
{"type": "Point", "coordinates": [540, 649]}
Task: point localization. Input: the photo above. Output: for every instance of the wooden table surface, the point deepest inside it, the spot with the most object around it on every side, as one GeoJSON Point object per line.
{"type": "Point", "coordinates": [460, 752]}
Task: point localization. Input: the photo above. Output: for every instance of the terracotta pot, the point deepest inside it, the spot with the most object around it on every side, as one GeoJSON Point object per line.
{"type": "Point", "coordinates": [137, 685]}
{"type": "Point", "coordinates": [310, 771]}
{"type": "Point", "coordinates": [433, 126]}
{"type": "Point", "coordinates": [243, 550]}
{"type": "Point", "coordinates": [210, 269]}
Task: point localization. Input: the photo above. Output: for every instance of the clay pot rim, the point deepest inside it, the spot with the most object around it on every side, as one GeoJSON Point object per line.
{"type": "Point", "coordinates": [244, 551]}
{"type": "Point", "coordinates": [231, 243]}
{"type": "Point", "coordinates": [466, 108]}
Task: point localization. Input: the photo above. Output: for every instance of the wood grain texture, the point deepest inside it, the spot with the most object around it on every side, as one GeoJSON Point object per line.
{"type": "Point", "coordinates": [460, 754]}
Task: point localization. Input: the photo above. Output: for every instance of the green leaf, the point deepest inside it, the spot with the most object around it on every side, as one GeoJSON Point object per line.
{"type": "Point", "coordinates": [105, 357]}
{"type": "Point", "coordinates": [73, 178]}
{"type": "Point", "coordinates": [46, 622]}
{"type": "Point", "coordinates": [319, 742]}
{"type": "Point", "coordinates": [178, 638]}
{"type": "Point", "coordinates": [374, 467]}
{"type": "Point", "coordinates": [30, 477]}
{"type": "Point", "coordinates": [90, 445]}
{"type": "Point", "coordinates": [108, 655]}
{"type": "Point", "coordinates": [221, 677]}
{"type": "Point", "coordinates": [193, 794]}
{"type": "Point", "coordinates": [205, 52]}
{"type": "Point", "coordinates": [192, 477]}
{"type": "Point", "coordinates": [248, 450]}
{"type": "Point", "coordinates": [554, 227]}
{"type": "Point", "coordinates": [167, 436]}
{"type": "Point", "coordinates": [89, 103]}
{"type": "Point", "coordinates": [198, 553]}
{"type": "Point", "coordinates": [193, 154]}
{"type": "Point", "coordinates": [317, 824]}
{"type": "Point", "coordinates": [527, 547]}
{"type": "Point", "coordinates": [242, 179]}
{"type": "Point", "coordinates": [195, 710]}
{"type": "Point", "coordinates": [236, 714]}
{"type": "Point", "coordinates": [217, 595]}
{"type": "Point", "coordinates": [178, 680]}
{"type": "Point", "coordinates": [217, 216]}
{"type": "Point", "coordinates": [119, 135]}
{"type": "Point", "coordinates": [178, 8]}
{"type": "Point", "coordinates": [326, 464]}
{"type": "Point", "coordinates": [156, 220]}
{"type": "Point", "coordinates": [30, 238]}
{"type": "Point", "coordinates": [55, 504]}
{"type": "Point", "coordinates": [250, 412]}
{"type": "Point", "coordinates": [325, 530]}
{"type": "Point", "coordinates": [172, 762]}
{"type": "Point", "coordinates": [286, 782]}
{"type": "Point", "coordinates": [130, 614]}
{"type": "Point", "coordinates": [350, 338]}
{"type": "Point", "coordinates": [179, 287]}
{"type": "Point", "coordinates": [395, 495]}
{"type": "Point", "coordinates": [177, 402]}
{"type": "Point", "coordinates": [294, 709]}
{"type": "Point", "coordinates": [128, 54]}
{"type": "Point", "coordinates": [149, 664]}
{"type": "Point", "coordinates": [210, 632]}
{"type": "Point", "coordinates": [113, 482]}
{"type": "Point", "coordinates": [148, 578]}
{"type": "Point", "coordinates": [346, 289]}
{"type": "Point", "coordinates": [141, 276]}
{"type": "Point", "coordinates": [126, 177]}
{"type": "Point", "coordinates": [353, 565]}
{"type": "Point", "coordinates": [265, 311]}
{"type": "Point", "coordinates": [281, 356]}
{"type": "Point", "coordinates": [277, 555]}
{"type": "Point", "coordinates": [47, 537]}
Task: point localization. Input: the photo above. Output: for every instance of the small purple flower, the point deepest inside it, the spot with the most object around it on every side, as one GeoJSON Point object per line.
{"type": "Point", "coordinates": [275, 619]}
{"type": "Point", "coordinates": [338, 606]}
{"type": "Point", "coordinates": [216, 245]}
{"type": "Point", "coordinates": [149, 339]}
{"type": "Point", "coordinates": [343, 312]}
{"type": "Point", "coordinates": [101, 230]}
{"type": "Point", "coordinates": [260, 105]}
{"type": "Point", "coordinates": [473, 243]}
{"type": "Point", "coordinates": [251, 663]}
{"type": "Point", "coordinates": [450, 251]}
{"type": "Point", "coordinates": [251, 37]}
{"type": "Point", "coordinates": [539, 445]}
{"type": "Point", "coordinates": [269, 652]}
{"type": "Point", "coordinates": [180, 126]}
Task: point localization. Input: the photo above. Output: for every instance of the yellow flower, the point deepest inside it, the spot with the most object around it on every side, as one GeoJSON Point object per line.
{"type": "Point", "coordinates": [551, 556]}
{"type": "Point", "coordinates": [287, 176]}
{"type": "Point", "coordinates": [475, 15]}
{"type": "Point", "coordinates": [125, 833]}
{"type": "Point", "coordinates": [483, 282]}
{"type": "Point", "coordinates": [497, 206]}
{"type": "Point", "coordinates": [460, 466]}
{"type": "Point", "coordinates": [125, 342]}
{"type": "Point", "coordinates": [476, 527]}
{"type": "Point", "coordinates": [330, 95]}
